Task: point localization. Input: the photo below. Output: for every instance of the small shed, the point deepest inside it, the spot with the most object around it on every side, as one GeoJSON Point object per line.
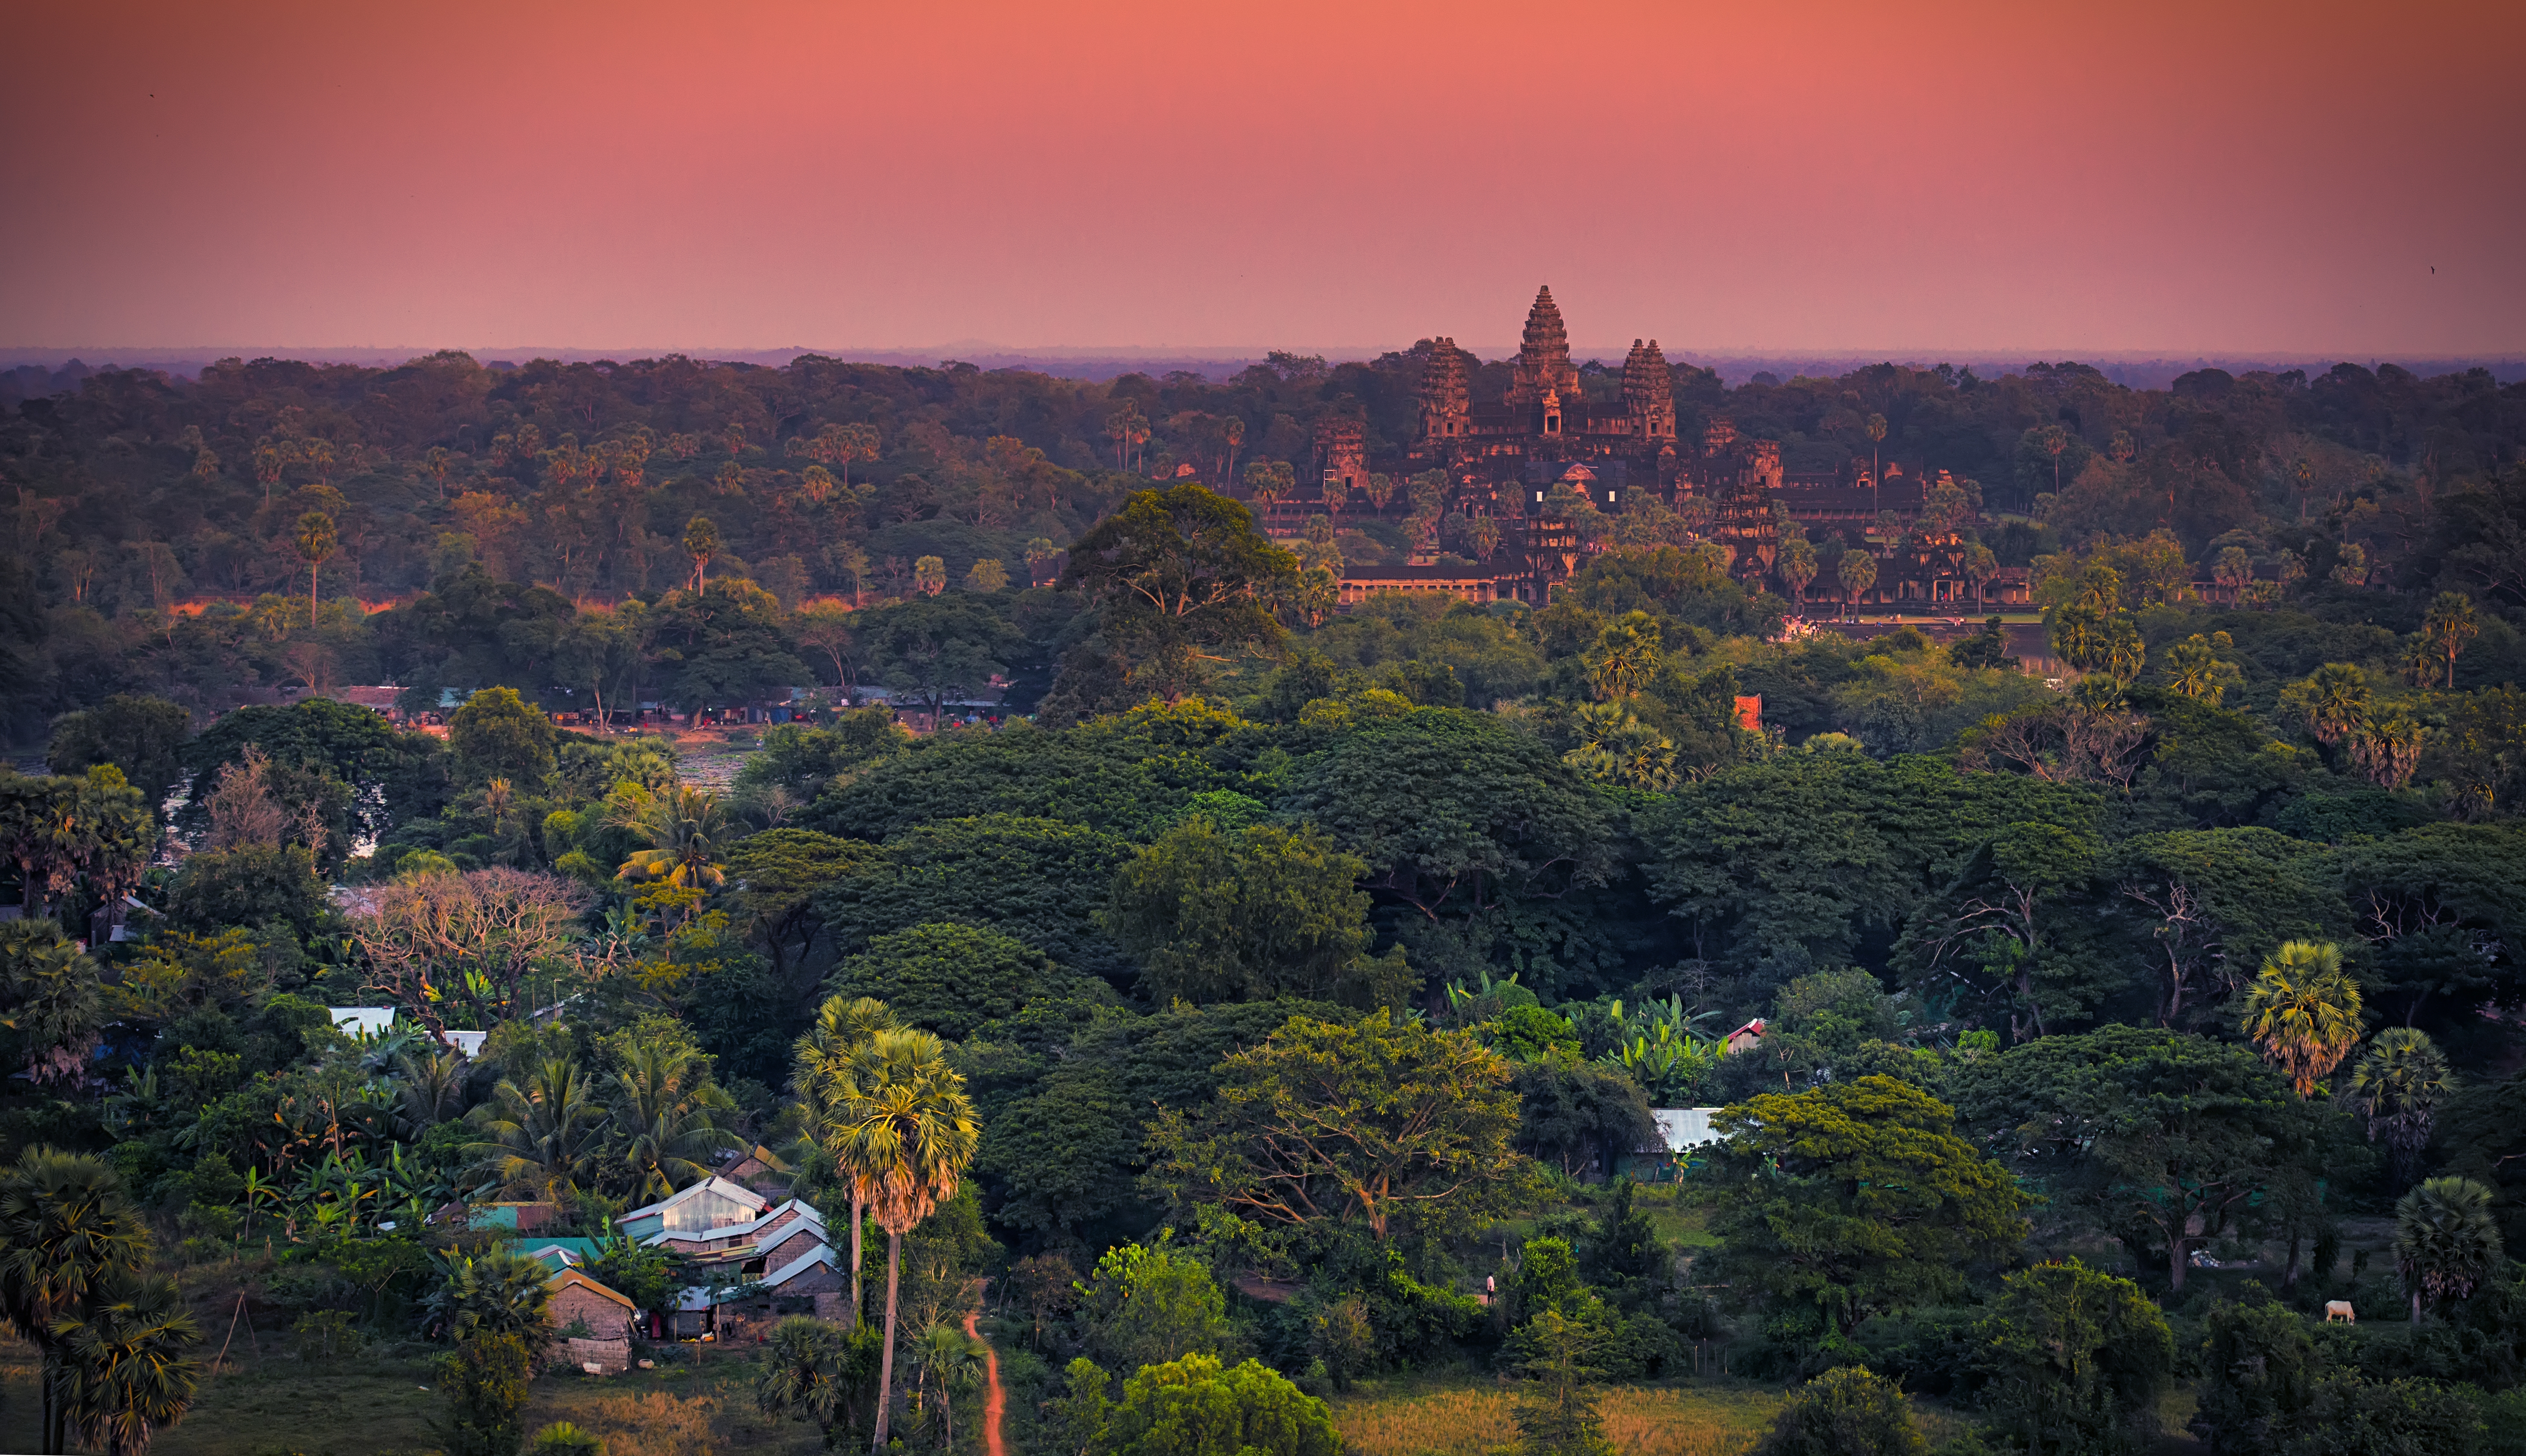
{"type": "Point", "coordinates": [577, 1299]}
{"type": "Point", "coordinates": [1681, 1129]}
{"type": "Point", "coordinates": [525, 1218]}
{"type": "Point", "coordinates": [600, 1356]}
{"type": "Point", "coordinates": [1744, 1037]}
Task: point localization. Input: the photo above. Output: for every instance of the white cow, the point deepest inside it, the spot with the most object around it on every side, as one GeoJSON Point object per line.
{"type": "Point", "coordinates": [2339, 1309]}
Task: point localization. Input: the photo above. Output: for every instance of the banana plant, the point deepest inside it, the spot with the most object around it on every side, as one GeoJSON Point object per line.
{"type": "Point", "coordinates": [1662, 1051]}
{"type": "Point", "coordinates": [259, 1192]}
{"type": "Point", "coordinates": [1471, 1006]}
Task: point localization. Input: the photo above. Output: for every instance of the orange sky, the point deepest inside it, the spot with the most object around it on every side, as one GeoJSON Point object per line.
{"type": "Point", "coordinates": [2195, 176]}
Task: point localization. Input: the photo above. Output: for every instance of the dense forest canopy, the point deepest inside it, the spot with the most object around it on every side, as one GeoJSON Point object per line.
{"type": "Point", "coordinates": [1269, 993]}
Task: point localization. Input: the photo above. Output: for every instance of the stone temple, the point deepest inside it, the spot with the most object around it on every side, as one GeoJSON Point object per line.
{"type": "Point", "coordinates": [1619, 449]}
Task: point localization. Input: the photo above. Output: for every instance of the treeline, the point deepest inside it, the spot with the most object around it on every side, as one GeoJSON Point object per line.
{"type": "Point", "coordinates": [264, 482]}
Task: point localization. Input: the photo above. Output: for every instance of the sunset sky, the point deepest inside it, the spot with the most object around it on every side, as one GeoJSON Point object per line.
{"type": "Point", "coordinates": [1340, 177]}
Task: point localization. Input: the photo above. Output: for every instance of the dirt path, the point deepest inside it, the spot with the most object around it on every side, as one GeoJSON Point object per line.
{"type": "Point", "coordinates": [995, 1401]}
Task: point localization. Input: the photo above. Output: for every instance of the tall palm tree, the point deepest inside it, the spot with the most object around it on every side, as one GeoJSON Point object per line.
{"type": "Point", "coordinates": [2304, 1012]}
{"type": "Point", "coordinates": [2448, 625]}
{"type": "Point", "coordinates": [669, 1114]}
{"type": "Point", "coordinates": [541, 1135]}
{"type": "Point", "coordinates": [2398, 1087]}
{"type": "Point", "coordinates": [2446, 1241]}
{"type": "Point", "coordinates": [67, 1232]}
{"type": "Point", "coordinates": [130, 1361]}
{"type": "Point", "coordinates": [904, 1136]}
{"type": "Point", "coordinates": [826, 1079]}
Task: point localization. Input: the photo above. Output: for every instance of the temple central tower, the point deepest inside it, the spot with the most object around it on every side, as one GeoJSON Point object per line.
{"type": "Point", "coordinates": [1543, 359]}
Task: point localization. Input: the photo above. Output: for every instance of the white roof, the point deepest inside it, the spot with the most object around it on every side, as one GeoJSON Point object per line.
{"type": "Point", "coordinates": [734, 1192]}
{"type": "Point", "coordinates": [468, 1042]}
{"type": "Point", "coordinates": [821, 1254]}
{"type": "Point", "coordinates": [807, 1214]}
{"type": "Point", "coordinates": [363, 1020]}
{"type": "Point", "coordinates": [1685, 1127]}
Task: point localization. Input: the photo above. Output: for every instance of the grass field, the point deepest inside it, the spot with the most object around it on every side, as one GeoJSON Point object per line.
{"type": "Point", "coordinates": [379, 1403]}
{"type": "Point", "coordinates": [1711, 1420]}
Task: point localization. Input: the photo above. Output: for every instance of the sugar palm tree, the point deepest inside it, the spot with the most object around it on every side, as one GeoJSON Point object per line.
{"type": "Point", "coordinates": [130, 1363]}
{"type": "Point", "coordinates": [825, 1079]}
{"type": "Point", "coordinates": [2398, 1087]}
{"type": "Point", "coordinates": [668, 1116]}
{"type": "Point", "coordinates": [2448, 625]}
{"type": "Point", "coordinates": [950, 1360]}
{"type": "Point", "coordinates": [1858, 573]}
{"type": "Point", "coordinates": [806, 1371]}
{"type": "Point", "coordinates": [1796, 566]}
{"type": "Point", "coordinates": [904, 1136]}
{"type": "Point", "coordinates": [502, 1292]}
{"type": "Point", "coordinates": [67, 1233]}
{"type": "Point", "coordinates": [2446, 1241]}
{"type": "Point", "coordinates": [543, 1134]}
{"type": "Point", "coordinates": [2335, 700]}
{"type": "Point", "coordinates": [2304, 1012]}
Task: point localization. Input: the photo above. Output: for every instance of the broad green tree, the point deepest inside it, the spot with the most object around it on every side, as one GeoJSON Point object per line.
{"type": "Point", "coordinates": [1267, 911]}
{"type": "Point", "coordinates": [1148, 1304]}
{"type": "Point", "coordinates": [2159, 1139]}
{"type": "Point", "coordinates": [1846, 1411]}
{"type": "Point", "coordinates": [945, 978]}
{"type": "Point", "coordinates": [2079, 1359]}
{"type": "Point", "coordinates": [144, 736]}
{"type": "Point", "coordinates": [1183, 575]}
{"type": "Point", "coordinates": [498, 734]}
{"type": "Point", "coordinates": [1384, 1124]}
{"type": "Point", "coordinates": [1857, 1198]}
{"type": "Point", "coordinates": [1193, 1407]}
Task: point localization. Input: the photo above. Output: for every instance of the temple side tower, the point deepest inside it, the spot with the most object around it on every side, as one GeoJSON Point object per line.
{"type": "Point", "coordinates": [1648, 392]}
{"type": "Point", "coordinates": [1445, 406]}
